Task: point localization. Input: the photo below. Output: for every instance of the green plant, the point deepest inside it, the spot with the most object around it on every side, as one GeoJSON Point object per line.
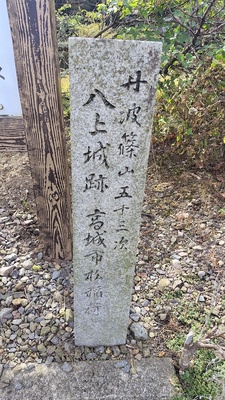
{"type": "Point", "coordinates": [188, 314]}
{"type": "Point", "coordinates": [188, 123]}
{"type": "Point", "coordinates": [201, 380]}
{"type": "Point", "coordinates": [25, 205]}
{"type": "Point", "coordinates": [67, 25]}
{"type": "Point", "coordinates": [36, 268]}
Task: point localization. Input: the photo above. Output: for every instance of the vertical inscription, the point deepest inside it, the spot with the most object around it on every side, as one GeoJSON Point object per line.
{"type": "Point", "coordinates": [111, 124]}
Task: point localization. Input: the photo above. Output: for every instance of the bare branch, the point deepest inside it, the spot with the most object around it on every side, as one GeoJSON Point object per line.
{"type": "Point", "coordinates": [191, 346]}
{"type": "Point", "coordinates": [108, 26]}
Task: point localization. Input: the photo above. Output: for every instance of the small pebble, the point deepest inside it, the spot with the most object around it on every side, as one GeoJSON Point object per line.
{"type": "Point", "coordinates": [66, 367]}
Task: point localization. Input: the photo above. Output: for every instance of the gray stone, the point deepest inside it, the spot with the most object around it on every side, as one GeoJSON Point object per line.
{"type": "Point", "coordinates": [201, 298]}
{"type": "Point", "coordinates": [18, 385]}
{"type": "Point", "coordinates": [10, 257]}
{"type": "Point", "coordinates": [39, 256]}
{"type": "Point", "coordinates": [121, 364]}
{"type": "Point", "coordinates": [66, 367]}
{"type": "Point", "coordinates": [201, 274]}
{"type": "Point", "coordinates": [151, 379]}
{"type": "Point", "coordinates": [55, 275]}
{"type": "Point", "coordinates": [27, 264]}
{"type": "Point", "coordinates": [139, 331]}
{"type": "Point", "coordinates": [5, 271]}
{"type": "Point", "coordinates": [100, 349]}
{"type": "Point", "coordinates": [5, 314]}
{"type": "Point", "coordinates": [91, 356]}
{"type": "Point", "coordinates": [135, 317]}
{"type": "Point", "coordinates": [49, 360]}
{"type": "Point", "coordinates": [111, 116]}
{"type": "Point", "coordinates": [17, 321]}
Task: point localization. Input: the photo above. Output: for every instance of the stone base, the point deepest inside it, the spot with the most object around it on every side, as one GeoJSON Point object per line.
{"type": "Point", "coordinates": [149, 379]}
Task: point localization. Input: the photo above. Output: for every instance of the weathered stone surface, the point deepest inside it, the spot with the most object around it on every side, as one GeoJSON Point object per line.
{"type": "Point", "coordinates": [113, 86]}
{"type": "Point", "coordinates": [150, 379]}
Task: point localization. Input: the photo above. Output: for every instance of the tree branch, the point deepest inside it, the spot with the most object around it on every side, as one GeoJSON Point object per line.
{"type": "Point", "coordinates": [190, 347]}
{"type": "Point", "coordinates": [108, 26]}
{"type": "Point", "coordinates": [188, 47]}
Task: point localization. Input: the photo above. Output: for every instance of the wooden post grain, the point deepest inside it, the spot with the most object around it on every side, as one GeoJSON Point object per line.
{"type": "Point", "coordinates": [33, 30]}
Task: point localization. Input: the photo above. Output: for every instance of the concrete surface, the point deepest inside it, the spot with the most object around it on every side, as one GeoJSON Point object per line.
{"type": "Point", "coordinates": [149, 379]}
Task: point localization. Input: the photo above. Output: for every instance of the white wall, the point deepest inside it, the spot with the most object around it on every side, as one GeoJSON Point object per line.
{"type": "Point", "coordinates": [9, 95]}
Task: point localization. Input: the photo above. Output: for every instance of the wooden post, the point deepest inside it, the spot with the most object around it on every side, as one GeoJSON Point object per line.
{"type": "Point", "coordinates": [33, 30]}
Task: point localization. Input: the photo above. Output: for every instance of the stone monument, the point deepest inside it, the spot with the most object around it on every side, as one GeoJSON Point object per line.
{"type": "Point", "coordinates": [112, 89]}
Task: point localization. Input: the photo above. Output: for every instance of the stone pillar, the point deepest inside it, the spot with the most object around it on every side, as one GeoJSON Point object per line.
{"type": "Point", "coordinates": [112, 88]}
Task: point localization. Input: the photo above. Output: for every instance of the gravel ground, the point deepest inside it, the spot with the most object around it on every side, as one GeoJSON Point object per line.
{"type": "Point", "coordinates": [179, 270]}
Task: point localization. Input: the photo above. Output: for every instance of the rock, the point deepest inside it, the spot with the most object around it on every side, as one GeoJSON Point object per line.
{"type": "Point", "coordinates": [163, 316]}
{"type": "Point", "coordinates": [100, 349]}
{"type": "Point", "coordinates": [41, 348]}
{"type": "Point", "coordinates": [78, 353]}
{"type": "Point", "coordinates": [20, 302]}
{"type": "Point", "coordinates": [7, 376]}
{"type": "Point", "coordinates": [146, 352]}
{"type": "Point", "coordinates": [5, 313]}
{"type": "Point", "coordinates": [201, 274]}
{"type": "Point", "coordinates": [197, 247]}
{"type": "Point", "coordinates": [49, 316]}
{"type": "Point", "coordinates": [54, 340]}
{"type": "Point", "coordinates": [39, 256]}
{"type": "Point", "coordinates": [5, 271]}
{"type": "Point", "coordinates": [135, 317]}
{"type": "Point", "coordinates": [20, 285]}
{"type": "Point", "coordinates": [49, 360]}
{"type": "Point", "coordinates": [176, 263]}
{"type": "Point", "coordinates": [10, 257]}
{"type": "Point", "coordinates": [177, 283]}
{"type": "Point", "coordinates": [55, 275]}
{"type": "Point", "coordinates": [69, 315]}
{"type": "Point", "coordinates": [18, 385]}
{"type": "Point", "coordinates": [201, 298]}
{"type": "Point", "coordinates": [121, 364]}
{"type": "Point", "coordinates": [66, 367]}
{"type": "Point", "coordinates": [139, 331]}
{"type": "Point", "coordinates": [27, 264]}
{"type": "Point", "coordinates": [116, 351]}
{"type": "Point", "coordinates": [45, 330]}
{"type": "Point", "coordinates": [33, 326]}
{"type": "Point", "coordinates": [91, 356]}
{"type": "Point", "coordinates": [126, 369]}
{"type": "Point", "coordinates": [163, 283]}
{"type": "Point", "coordinates": [17, 321]}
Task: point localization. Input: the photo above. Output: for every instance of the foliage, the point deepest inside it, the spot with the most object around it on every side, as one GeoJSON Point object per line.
{"type": "Point", "coordinates": [66, 25]}
{"type": "Point", "coordinates": [201, 380]}
{"type": "Point", "coordinates": [189, 115]}
{"type": "Point", "coordinates": [190, 99]}
{"type": "Point", "coordinates": [65, 96]}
